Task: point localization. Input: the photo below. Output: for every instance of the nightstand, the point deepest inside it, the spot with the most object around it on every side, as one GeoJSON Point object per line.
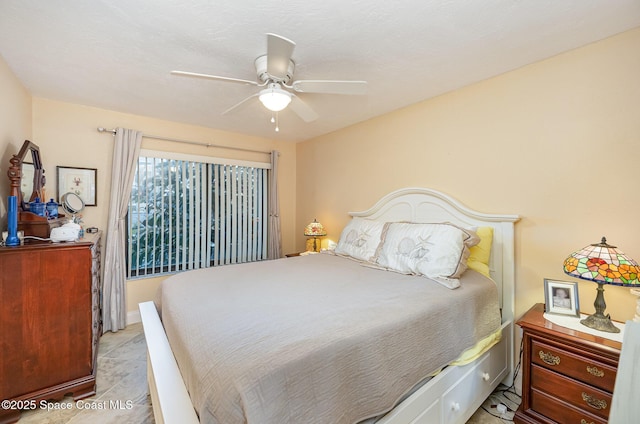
{"type": "Point", "coordinates": [568, 376]}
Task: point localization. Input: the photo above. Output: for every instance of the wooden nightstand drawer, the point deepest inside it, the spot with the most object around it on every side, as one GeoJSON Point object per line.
{"type": "Point", "coordinates": [568, 375]}
{"type": "Point", "coordinates": [580, 395]}
{"type": "Point", "coordinates": [586, 370]}
{"type": "Point", "coordinates": [560, 411]}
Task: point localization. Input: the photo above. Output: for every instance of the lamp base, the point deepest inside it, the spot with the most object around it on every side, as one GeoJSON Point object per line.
{"type": "Point", "coordinates": [600, 322]}
{"type": "Point", "coordinates": [313, 244]}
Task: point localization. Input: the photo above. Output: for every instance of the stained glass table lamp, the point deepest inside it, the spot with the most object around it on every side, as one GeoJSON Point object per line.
{"type": "Point", "coordinates": [602, 264]}
{"type": "Point", "coordinates": [315, 230]}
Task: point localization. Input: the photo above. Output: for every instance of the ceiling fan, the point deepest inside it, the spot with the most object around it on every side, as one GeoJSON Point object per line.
{"type": "Point", "coordinates": [275, 73]}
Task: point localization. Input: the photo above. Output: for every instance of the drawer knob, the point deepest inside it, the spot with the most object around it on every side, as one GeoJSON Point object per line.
{"type": "Point", "coordinates": [486, 376]}
{"type": "Point", "coordinates": [583, 421]}
{"type": "Point", "coordinates": [595, 371]}
{"type": "Point", "coordinates": [455, 406]}
{"type": "Point", "coordinates": [594, 402]}
{"type": "Point", "coordinates": [549, 358]}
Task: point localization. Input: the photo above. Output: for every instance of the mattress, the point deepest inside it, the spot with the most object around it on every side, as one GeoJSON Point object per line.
{"type": "Point", "coordinates": [315, 339]}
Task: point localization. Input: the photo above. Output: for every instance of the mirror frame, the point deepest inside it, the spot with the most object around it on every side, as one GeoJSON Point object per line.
{"type": "Point", "coordinates": [68, 207]}
{"type": "Point", "coordinates": [15, 173]}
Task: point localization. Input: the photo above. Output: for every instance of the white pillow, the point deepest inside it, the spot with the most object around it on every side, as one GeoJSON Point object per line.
{"type": "Point", "coordinates": [437, 251]}
{"type": "Point", "coordinates": [360, 239]}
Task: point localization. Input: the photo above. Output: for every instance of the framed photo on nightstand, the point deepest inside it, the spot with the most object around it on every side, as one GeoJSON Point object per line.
{"type": "Point", "coordinates": [561, 298]}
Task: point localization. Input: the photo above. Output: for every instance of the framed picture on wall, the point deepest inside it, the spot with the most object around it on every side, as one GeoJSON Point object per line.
{"type": "Point", "coordinates": [81, 181]}
{"type": "Point", "coordinates": [561, 297]}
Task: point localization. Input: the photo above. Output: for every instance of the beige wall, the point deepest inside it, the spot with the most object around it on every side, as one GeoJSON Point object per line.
{"type": "Point", "coordinates": [556, 142]}
{"type": "Point", "coordinates": [67, 136]}
{"type": "Point", "coordinates": [533, 142]}
{"type": "Point", "coordinates": [15, 127]}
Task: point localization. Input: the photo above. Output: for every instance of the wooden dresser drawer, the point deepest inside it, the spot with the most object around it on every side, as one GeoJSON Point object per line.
{"type": "Point", "coordinates": [582, 396]}
{"type": "Point", "coordinates": [584, 369]}
{"type": "Point", "coordinates": [560, 411]}
{"type": "Point", "coordinates": [49, 296]}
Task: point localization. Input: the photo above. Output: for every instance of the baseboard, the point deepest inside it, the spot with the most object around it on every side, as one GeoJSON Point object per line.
{"type": "Point", "coordinates": [133, 317]}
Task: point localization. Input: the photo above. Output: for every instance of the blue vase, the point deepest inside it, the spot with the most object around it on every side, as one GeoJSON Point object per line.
{"type": "Point", "coordinates": [37, 207]}
{"type": "Point", "coordinates": [52, 209]}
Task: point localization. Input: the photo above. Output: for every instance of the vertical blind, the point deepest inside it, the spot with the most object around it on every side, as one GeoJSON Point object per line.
{"type": "Point", "coordinates": [185, 213]}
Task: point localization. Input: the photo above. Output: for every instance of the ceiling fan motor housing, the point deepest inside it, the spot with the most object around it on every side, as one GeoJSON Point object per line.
{"type": "Point", "coordinates": [261, 69]}
{"type": "Point", "coordinates": [274, 72]}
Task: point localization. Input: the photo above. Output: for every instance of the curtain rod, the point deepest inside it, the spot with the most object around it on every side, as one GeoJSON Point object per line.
{"type": "Point", "coordinates": [197, 143]}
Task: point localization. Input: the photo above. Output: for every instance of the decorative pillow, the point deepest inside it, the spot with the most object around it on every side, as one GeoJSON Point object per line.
{"type": "Point", "coordinates": [480, 253]}
{"type": "Point", "coordinates": [360, 239]}
{"type": "Point", "coordinates": [437, 251]}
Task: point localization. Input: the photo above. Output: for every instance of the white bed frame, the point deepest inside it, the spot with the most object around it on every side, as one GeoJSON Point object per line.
{"type": "Point", "coordinates": [450, 397]}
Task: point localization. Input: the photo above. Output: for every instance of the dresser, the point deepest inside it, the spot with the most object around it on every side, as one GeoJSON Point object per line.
{"type": "Point", "coordinates": [50, 322]}
{"type": "Point", "coordinates": [568, 376]}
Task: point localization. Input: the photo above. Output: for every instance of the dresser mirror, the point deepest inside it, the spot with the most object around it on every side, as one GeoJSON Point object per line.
{"type": "Point", "coordinates": [27, 182]}
{"type": "Point", "coordinates": [26, 175]}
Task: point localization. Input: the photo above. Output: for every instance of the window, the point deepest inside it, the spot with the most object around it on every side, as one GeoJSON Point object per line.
{"type": "Point", "coordinates": [188, 213]}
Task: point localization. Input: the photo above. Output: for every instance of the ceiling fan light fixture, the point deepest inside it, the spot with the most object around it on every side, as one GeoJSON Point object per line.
{"type": "Point", "coordinates": [275, 98]}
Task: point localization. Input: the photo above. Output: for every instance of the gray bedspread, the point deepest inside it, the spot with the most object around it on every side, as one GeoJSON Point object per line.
{"type": "Point", "coordinates": [315, 339]}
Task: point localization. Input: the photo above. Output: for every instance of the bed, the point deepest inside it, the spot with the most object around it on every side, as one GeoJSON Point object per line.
{"type": "Point", "coordinates": [233, 368]}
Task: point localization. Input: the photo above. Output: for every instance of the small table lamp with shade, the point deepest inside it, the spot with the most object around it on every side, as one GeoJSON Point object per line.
{"type": "Point", "coordinates": [603, 264]}
{"type": "Point", "coordinates": [315, 230]}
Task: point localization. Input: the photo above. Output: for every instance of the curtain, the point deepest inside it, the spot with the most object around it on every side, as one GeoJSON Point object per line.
{"type": "Point", "coordinates": [274, 248]}
{"type": "Point", "coordinates": [125, 156]}
{"type": "Point", "coordinates": [625, 405]}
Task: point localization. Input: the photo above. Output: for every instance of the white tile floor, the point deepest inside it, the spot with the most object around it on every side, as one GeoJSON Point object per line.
{"type": "Point", "coordinates": [122, 393]}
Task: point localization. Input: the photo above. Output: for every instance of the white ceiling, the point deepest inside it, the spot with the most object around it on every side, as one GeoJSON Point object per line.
{"type": "Point", "coordinates": [117, 54]}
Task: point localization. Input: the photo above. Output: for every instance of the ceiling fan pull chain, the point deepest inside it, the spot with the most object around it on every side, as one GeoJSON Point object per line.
{"type": "Point", "coordinates": [277, 123]}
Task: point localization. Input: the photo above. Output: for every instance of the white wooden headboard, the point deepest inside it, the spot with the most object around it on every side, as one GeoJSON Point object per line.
{"type": "Point", "coordinates": [425, 205]}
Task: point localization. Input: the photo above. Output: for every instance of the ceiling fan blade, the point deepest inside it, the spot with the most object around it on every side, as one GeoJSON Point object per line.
{"type": "Point", "coordinates": [279, 51]}
{"type": "Point", "coordinates": [302, 109]}
{"type": "Point", "coordinates": [234, 107]}
{"type": "Point", "coordinates": [330, 87]}
{"type": "Point", "coordinates": [212, 77]}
